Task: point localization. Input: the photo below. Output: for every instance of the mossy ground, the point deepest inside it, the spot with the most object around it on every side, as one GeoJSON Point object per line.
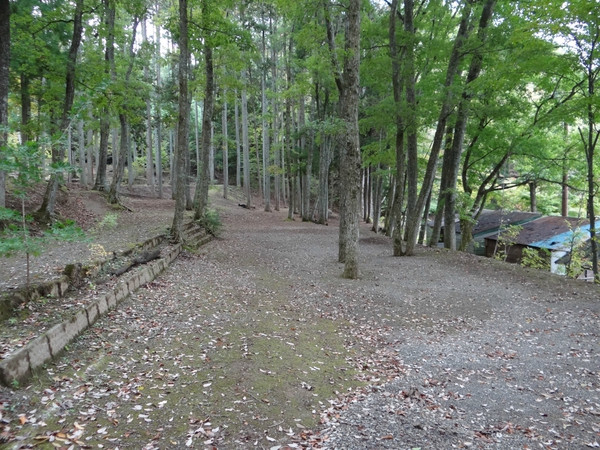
{"type": "Point", "coordinates": [228, 361]}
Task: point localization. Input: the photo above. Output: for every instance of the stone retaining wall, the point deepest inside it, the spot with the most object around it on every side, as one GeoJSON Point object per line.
{"type": "Point", "coordinates": [20, 366]}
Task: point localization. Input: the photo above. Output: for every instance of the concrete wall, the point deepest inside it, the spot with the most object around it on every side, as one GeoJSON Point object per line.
{"type": "Point", "coordinates": [20, 366]}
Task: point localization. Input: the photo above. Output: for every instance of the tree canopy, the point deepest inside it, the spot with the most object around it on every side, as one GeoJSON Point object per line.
{"type": "Point", "coordinates": [458, 104]}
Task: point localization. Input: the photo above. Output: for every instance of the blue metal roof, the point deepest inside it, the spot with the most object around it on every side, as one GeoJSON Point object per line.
{"type": "Point", "coordinates": [563, 241]}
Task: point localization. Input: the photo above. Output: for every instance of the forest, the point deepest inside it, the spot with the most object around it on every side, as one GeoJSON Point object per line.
{"type": "Point", "coordinates": [387, 111]}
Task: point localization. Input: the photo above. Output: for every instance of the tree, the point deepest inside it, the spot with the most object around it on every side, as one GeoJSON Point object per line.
{"type": "Point", "coordinates": [109, 56]}
{"type": "Point", "coordinates": [203, 181]}
{"type": "Point", "coordinates": [159, 179]}
{"type": "Point", "coordinates": [583, 27]}
{"type": "Point", "coordinates": [265, 129]}
{"type": "Point", "coordinates": [452, 157]}
{"type": "Point", "coordinates": [4, 79]}
{"type": "Point", "coordinates": [46, 210]}
{"type": "Point", "coordinates": [225, 147]}
{"type": "Point", "coordinates": [347, 83]}
{"type": "Point", "coordinates": [413, 219]}
{"type": "Point", "coordinates": [182, 122]}
{"type": "Point", "coordinates": [245, 140]}
{"type": "Point", "coordinates": [125, 146]}
{"type": "Point", "coordinates": [149, 146]}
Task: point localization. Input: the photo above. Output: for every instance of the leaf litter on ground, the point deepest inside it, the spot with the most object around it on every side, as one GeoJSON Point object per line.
{"type": "Point", "coordinates": [221, 350]}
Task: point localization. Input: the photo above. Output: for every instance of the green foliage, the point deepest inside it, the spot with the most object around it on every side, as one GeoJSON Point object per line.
{"type": "Point", "coordinates": [576, 263]}
{"type": "Point", "coordinates": [507, 237]}
{"type": "Point", "coordinates": [108, 221]}
{"type": "Point", "coordinates": [536, 259]}
{"type": "Point", "coordinates": [8, 215]}
{"type": "Point", "coordinates": [23, 163]}
{"type": "Point", "coordinates": [211, 222]}
{"type": "Point", "coordinates": [275, 170]}
{"type": "Point", "coordinates": [464, 203]}
{"type": "Point", "coordinates": [16, 238]}
{"type": "Point", "coordinates": [66, 231]}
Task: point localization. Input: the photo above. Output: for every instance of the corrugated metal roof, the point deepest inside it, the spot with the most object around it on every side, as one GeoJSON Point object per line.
{"type": "Point", "coordinates": [551, 232]}
{"type": "Point", "coordinates": [490, 220]}
{"type": "Point", "coordinates": [564, 240]}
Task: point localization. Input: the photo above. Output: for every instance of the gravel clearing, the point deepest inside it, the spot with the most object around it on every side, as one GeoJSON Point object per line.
{"type": "Point", "coordinates": [256, 342]}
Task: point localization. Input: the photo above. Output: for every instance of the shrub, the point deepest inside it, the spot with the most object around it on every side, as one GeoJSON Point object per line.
{"type": "Point", "coordinates": [211, 222]}
{"type": "Point", "coordinates": [536, 259]}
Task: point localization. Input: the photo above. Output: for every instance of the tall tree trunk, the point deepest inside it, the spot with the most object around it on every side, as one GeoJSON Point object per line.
{"type": "Point", "coordinates": [203, 181]}
{"type": "Point", "coordinates": [69, 153]}
{"type": "Point", "coordinates": [297, 160]}
{"type": "Point", "coordinates": [189, 203]}
{"type": "Point", "coordinates": [439, 212]}
{"type": "Point", "coordinates": [423, 231]}
{"type": "Point", "coordinates": [81, 141]}
{"type": "Point", "coordinates": [197, 141]}
{"type": "Point", "coordinates": [225, 147]}
{"type": "Point", "coordinates": [306, 173]}
{"type": "Point", "coordinates": [172, 145]}
{"type": "Point", "coordinates": [564, 206]}
{"type": "Point", "coordinates": [211, 153]}
{"type": "Point", "coordinates": [25, 108]}
{"type": "Point", "coordinates": [149, 146]}
{"type": "Point", "coordinates": [413, 220]}
{"type": "Point", "coordinates": [324, 162]}
{"type": "Point", "coordinates": [378, 179]}
{"type": "Point", "coordinates": [130, 160]}
{"type": "Point", "coordinates": [288, 153]}
{"type": "Point", "coordinates": [258, 163]}
{"type": "Point", "coordinates": [100, 184]}
{"type": "Point", "coordinates": [391, 207]}
{"type": "Point", "coordinates": [125, 147]}
{"type": "Point", "coordinates": [533, 196]}
{"type": "Point", "coordinates": [394, 227]}
{"type": "Point", "coordinates": [284, 178]}
{"type": "Point", "coordinates": [46, 210]}
{"type": "Point", "coordinates": [112, 195]}
{"type": "Point", "coordinates": [246, 142]}
{"type": "Point", "coordinates": [412, 170]}
{"type": "Point", "coordinates": [298, 193]}
{"type": "Point", "coordinates": [277, 156]}
{"type": "Point", "coordinates": [350, 161]}
{"type": "Point", "coordinates": [277, 162]}
{"type": "Point", "coordinates": [265, 129]}
{"type": "Point", "coordinates": [323, 193]}
{"type": "Point", "coordinates": [452, 159]}
{"type": "Point", "coordinates": [238, 159]}
{"type": "Point", "coordinates": [183, 122]}
{"type": "Point", "coordinates": [4, 86]}
{"type": "Point", "coordinates": [90, 150]}
{"type": "Point", "coordinates": [159, 175]}
{"type": "Point", "coordinates": [368, 193]}
{"type": "Point", "coordinates": [590, 142]}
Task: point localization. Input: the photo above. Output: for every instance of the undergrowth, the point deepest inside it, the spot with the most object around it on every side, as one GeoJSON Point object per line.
{"type": "Point", "coordinates": [211, 222]}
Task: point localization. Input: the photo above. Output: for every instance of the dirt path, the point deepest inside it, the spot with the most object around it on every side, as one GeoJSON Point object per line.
{"type": "Point", "coordinates": [255, 342]}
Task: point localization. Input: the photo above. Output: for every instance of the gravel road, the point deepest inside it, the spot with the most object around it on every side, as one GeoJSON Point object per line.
{"type": "Point", "coordinates": [256, 342]}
